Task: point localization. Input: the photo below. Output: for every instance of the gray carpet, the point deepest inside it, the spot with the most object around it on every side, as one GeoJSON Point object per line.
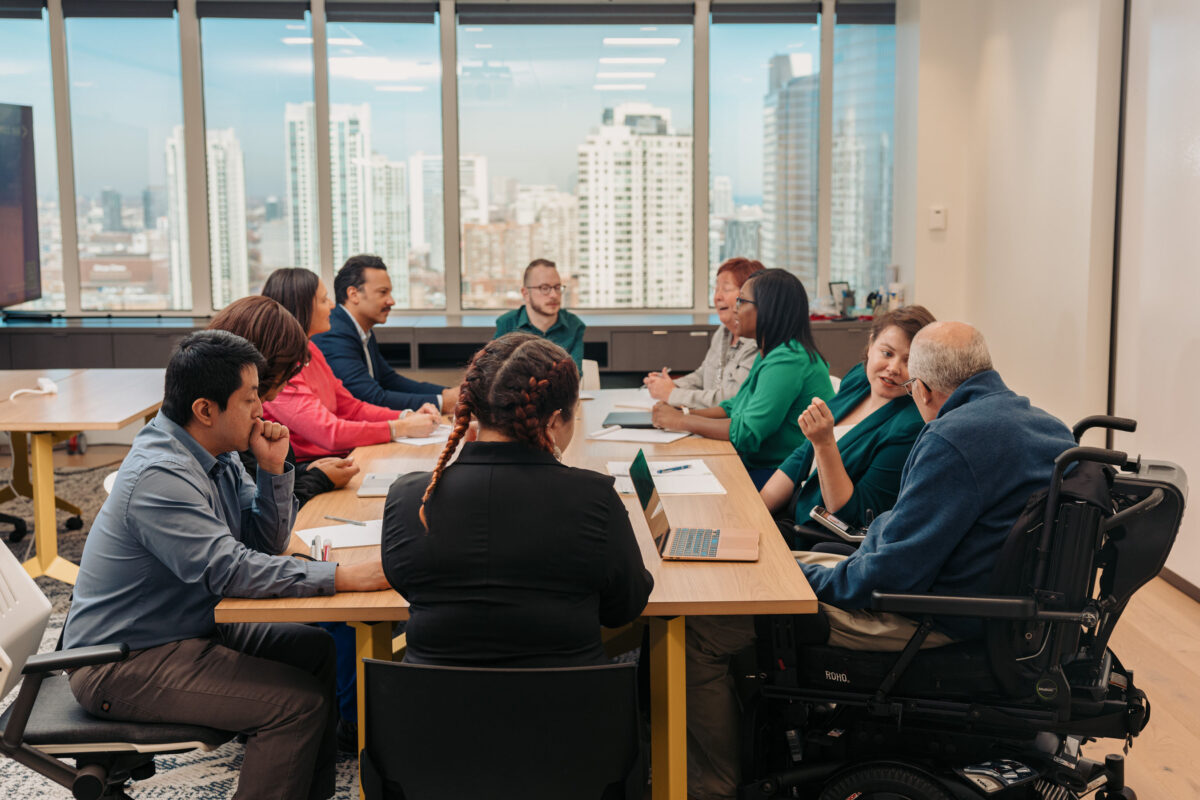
{"type": "Point", "coordinates": [192, 775]}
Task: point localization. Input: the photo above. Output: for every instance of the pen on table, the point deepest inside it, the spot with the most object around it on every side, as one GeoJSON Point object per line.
{"type": "Point", "coordinates": [315, 549]}
{"type": "Point", "coordinates": [672, 469]}
{"type": "Point", "coordinates": [347, 521]}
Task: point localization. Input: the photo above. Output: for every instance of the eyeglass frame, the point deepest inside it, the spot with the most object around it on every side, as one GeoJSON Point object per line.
{"type": "Point", "coordinates": [741, 301]}
{"type": "Point", "coordinates": [908, 384]}
{"type": "Point", "coordinates": [544, 289]}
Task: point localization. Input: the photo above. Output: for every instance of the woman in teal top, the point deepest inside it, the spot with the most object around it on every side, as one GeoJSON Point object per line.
{"type": "Point", "coordinates": [858, 443]}
{"type": "Point", "coordinates": [761, 420]}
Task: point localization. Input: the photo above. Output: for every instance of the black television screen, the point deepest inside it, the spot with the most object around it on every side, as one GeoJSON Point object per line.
{"type": "Point", "coordinates": [20, 267]}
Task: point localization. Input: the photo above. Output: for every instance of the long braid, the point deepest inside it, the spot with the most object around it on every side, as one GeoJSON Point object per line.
{"type": "Point", "coordinates": [462, 420]}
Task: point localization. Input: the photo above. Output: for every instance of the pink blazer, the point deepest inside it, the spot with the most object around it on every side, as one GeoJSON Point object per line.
{"type": "Point", "coordinates": [324, 419]}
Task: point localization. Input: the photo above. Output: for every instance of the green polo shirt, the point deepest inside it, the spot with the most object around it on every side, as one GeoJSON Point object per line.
{"type": "Point", "coordinates": [566, 332]}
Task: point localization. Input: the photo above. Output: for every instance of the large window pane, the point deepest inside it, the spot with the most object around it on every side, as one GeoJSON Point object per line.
{"type": "Point", "coordinates": [864, 92]}
{"type": "Point", "coordinates": [386, 134]}
{"type": "Point", "coordinates": [126, 121]}
{"type": "Point", "coordinates": [25, 81]}
{"type": "Point", "coordinates": [260, 151]}
{"type": "Point", "coordinates": [764, 89]}
{"type": "Point", "coordinates": [576, 146]}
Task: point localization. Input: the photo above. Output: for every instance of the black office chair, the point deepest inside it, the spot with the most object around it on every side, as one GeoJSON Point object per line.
{"type": "Point", "coordinates": [525, 734]}
{"type": "Point", "coordinates": [45, 724]}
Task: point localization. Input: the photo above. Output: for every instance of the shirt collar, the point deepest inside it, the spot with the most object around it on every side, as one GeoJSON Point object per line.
{"type": "Point", "coordinates": [523, 320]}
{"type": "Point", "coordinates": [208, 462]}
{"type": "Point", "coordinates": [503, 453]}
{"type": "Point", "coordinates": [364, 335]}
{"type": "Point", "coordinates": [973, 388]}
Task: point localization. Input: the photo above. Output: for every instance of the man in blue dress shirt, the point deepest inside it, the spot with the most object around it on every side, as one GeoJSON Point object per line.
{"type": "Point", "coordinates": [185, 526]}
{"type": "Point", "coordinates": [364, 299]}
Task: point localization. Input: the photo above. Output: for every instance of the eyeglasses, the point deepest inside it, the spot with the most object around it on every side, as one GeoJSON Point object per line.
{"type": "Point", "coordinates": [742, 301]}
{"type": "Point", "coordinates": [908, 385]}
{"type": "Point", "coordinates": [546, 288]}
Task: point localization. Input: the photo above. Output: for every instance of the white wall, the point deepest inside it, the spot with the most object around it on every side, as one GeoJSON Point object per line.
{"type": "Point", "coordinates": [1016, 106]}
{"type": "Point", "coordinates": [1158, 334]}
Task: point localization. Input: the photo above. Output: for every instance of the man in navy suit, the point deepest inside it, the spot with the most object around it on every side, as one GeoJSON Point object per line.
{"type": "Point", "coordinates": [364, 296]}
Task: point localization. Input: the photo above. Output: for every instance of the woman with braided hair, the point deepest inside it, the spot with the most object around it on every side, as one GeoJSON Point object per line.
{"type": "Point", "coordinates": [508, 557]}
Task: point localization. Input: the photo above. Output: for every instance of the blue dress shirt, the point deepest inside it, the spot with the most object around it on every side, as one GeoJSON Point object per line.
{"type": "Point", "coordinates": [181, 530]}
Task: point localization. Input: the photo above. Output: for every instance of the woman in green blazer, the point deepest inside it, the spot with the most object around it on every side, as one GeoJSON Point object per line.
{"type": "Point", "coordinates": [857, 443]}
{"type": "Point", "coordinates": [761, 420]}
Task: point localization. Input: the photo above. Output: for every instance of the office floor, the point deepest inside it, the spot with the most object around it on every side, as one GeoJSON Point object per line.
{"type": "Point", "coordinates": [1159, 638]}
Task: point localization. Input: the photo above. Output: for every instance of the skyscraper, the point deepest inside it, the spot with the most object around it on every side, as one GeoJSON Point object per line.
{"type": "Point", "coordinates": [179, 273]}
{"type": "Point", "coordinates": [790, 109]}
{"type": "Point", "coordinates": [721, 197]}
{"type": "Point", "coordinates": [635, 211]}
{"type": "Point", "coordinates": [425, 200]}
{"type": "Point", "coordinates": [110, 202]}
{"type": "Point", "coordinates": [389, 223]}
{"type": "Point", "coordinates": [350, 168]}
{"type": "Point", "coordinates": [300, 141]}
{"type": "Point", "coordinates": [227, 245]}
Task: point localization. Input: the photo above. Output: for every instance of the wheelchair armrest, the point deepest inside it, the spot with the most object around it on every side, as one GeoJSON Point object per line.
{"type": "Point", "coordinates": [955, 605]}
{"type": "Point", "coordinates": [76, 657]}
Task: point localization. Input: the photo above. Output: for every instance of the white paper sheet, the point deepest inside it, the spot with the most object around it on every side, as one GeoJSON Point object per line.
{"type": "Point", "coordinates": [439, 436]}
{"type": "Point", "coordinates": [640, 435]}
{"type": "Point", "coordinates": [346, 535]}
{"type": "Point", "coordinates": [696, 479]}
{"type": "Point", "coordinates": [639, 399]}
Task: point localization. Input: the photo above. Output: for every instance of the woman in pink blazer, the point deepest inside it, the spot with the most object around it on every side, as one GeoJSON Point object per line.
{"type": "Point", "coordinates": [324, 419]}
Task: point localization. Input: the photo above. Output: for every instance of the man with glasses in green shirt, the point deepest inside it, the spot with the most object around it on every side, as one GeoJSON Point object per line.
{"type": "Point", "coordinates": [543, 314]}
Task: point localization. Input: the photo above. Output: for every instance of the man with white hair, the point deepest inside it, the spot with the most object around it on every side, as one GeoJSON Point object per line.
{"type": "Point", "coordinates": [982, 453]}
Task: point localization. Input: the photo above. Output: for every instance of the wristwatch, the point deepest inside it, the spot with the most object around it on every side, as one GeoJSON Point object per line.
{"type": "Point", "coordinates": [686, 411]}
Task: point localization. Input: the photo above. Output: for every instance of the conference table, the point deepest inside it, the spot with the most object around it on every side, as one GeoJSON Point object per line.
{"type": "Point", "coordinates": [86, 400]}
{"type": "Point", "coordinates": [771, 585]}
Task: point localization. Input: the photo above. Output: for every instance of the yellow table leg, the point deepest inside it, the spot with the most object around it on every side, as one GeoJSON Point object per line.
{"type": "Point", "coordinates": [371, 640]}
{"type": "Point", "coordinates": [668, 709]}
{"type": "Point", "coordinates": [45, 527]}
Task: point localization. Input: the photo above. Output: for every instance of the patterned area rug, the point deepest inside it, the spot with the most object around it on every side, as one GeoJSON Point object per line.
{"type": "Point", "coordinates": [199, 775]}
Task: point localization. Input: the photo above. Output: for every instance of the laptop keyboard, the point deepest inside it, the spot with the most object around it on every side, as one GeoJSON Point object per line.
{"type": "Point", "coordinates": [695, 542]}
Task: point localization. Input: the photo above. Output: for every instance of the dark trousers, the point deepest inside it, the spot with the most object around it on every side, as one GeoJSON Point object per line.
{"type": "Point", "coordinates": [347, 668]}
{"type": "Point", "coordinates": [273, 682]}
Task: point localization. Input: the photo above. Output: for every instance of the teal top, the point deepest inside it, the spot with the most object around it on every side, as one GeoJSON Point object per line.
{"type": "Point", "coordinates": [873, 453]}
{"type": "Point", "coordinates": [566, 332]}
{"type": "Point", "coordinates": [763, 414]}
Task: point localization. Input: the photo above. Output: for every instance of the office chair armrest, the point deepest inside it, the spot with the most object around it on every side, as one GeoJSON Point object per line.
{"type": "Point", "coordinates": [915, 605]}
{"type": "Point", "coordinates": [76, 657]}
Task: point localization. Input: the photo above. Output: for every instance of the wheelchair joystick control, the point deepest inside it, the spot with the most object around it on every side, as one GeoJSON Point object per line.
{"type": "Point", "coordinates": [1114, 764]}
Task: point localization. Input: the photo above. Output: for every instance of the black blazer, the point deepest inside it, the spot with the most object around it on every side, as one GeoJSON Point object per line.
{"type": "Point", "coordinates": [524, 560]}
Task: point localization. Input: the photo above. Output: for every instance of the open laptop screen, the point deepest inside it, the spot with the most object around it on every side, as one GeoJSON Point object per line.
{"type": "Point", "coordinates": [656, 515]}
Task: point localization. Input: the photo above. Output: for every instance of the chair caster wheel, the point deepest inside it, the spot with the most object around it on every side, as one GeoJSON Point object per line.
{"type": "Point", "coordinates": [74, 523]}
{"type": "Point", "coordinates": [18, 532]}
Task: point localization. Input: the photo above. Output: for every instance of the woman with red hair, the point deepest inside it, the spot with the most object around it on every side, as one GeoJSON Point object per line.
{"type": "Point", "coordinates": [729, 357]}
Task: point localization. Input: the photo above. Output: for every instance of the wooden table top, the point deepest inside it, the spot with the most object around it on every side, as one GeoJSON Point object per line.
{"type": "Point", "coordinates": [772, 585]}
{"type": "Point", "coordinates": [90, 399]}
{"type": "Point", "coordinates": [13, 379]}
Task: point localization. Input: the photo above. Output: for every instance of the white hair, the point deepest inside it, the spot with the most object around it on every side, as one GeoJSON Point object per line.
{"type": "Point", "coordinates": [944, 363]}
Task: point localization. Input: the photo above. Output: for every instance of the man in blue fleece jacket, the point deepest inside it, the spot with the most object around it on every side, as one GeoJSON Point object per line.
{"type": "Point", "coordinates": [982, 453]}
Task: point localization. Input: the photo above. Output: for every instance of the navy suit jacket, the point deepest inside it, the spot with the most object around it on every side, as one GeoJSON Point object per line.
{"type": "Point", "coordinates": [343, 349]}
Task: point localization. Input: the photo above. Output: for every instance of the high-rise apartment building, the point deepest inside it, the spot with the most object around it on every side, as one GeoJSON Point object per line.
{"type": "Point", "coordinates": [300, 141]}
{"type": "Point", "coordinates": [350, 180]}
{"type": "Point", "coordinates": [425, 200]}
{"type": "Point", "coordinates": [634, 237]}
{"type": "Point", "coordinates": [227, 246]}
{"type": "Point", "coordinates": [389, 222]}
{"type": "Point", "coordinates": [179, 273]}
{"type": "Point", "coordinates": [721, 197]}
{"type": "Point", "coordinates": [110, 202]}
{"type": "Point", "coordinates": [790, 109]}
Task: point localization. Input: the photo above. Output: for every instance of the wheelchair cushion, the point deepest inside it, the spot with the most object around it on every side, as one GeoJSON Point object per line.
{"type": "Point", "coordinates": [956, 671]}
{"type": "Point", "coordinates": [58, 719]}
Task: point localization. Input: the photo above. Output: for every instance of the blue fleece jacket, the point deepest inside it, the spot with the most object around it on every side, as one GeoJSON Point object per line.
{"type": "Point", "coordinates": [965, 482]}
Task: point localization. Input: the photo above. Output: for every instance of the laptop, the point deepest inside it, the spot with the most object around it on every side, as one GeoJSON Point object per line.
{"type": "Point", "coordinates": [691, 543]}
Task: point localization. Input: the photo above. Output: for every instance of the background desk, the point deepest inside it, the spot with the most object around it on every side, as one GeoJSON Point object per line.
{"type": "Point", "coordinates": [773, 584]}
{"type": "Point", "coordinates": [89, 399]}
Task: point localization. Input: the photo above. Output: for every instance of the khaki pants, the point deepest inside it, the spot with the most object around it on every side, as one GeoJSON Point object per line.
{"type": "Point", "coordinates": [273, 682]}
{"type": "Point", "coordinates": [713, 712]}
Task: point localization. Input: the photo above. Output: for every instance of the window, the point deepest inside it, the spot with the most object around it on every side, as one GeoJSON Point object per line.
{"type": "Point", "coordinates": [25, 81]}
{"type": "Point", "coordinates": [260, 151]}
{"type": "Point", "coordinates": [576, 146]}
{"type": "Point", "coordinates": [864, 101]}
{"type": "Point", "coordinates": [126, 124]}
{"type": "Point", "coordinates": [764, 91]}
{"type": "Point", "coordinates": [386, 152]}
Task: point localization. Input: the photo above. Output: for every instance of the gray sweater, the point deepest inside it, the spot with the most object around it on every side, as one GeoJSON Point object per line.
{"type": "Point", "coordinates": [719, 376]}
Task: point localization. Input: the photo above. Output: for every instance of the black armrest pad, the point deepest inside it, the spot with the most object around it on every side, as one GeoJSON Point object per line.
{"type": "Point", "coordinates": [955, 606]}
{"type": "Point", "coordinates": [76, 657]}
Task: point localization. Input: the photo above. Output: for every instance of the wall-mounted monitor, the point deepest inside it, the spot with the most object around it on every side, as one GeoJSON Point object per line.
{"type": "Point", "coordinates": [20, 265]}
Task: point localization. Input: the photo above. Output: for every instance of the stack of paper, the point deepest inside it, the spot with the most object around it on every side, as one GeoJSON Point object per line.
{"type": "Point", "coordinates": [671, 477]}
{"type": "Point", "coordinates": [346, 535]}
{"type": "Point", "coordinates": [641, 435]}
{"type": "Point", "coordinates": [439, 436]}
{"type": "Point", "coordinates": [638, 398]}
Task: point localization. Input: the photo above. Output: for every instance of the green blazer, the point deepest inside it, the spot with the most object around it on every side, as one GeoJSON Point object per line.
{"type": "Point", "coordinates": [763, 414]}
{"type": "Point", "coordinates": [873, 452]}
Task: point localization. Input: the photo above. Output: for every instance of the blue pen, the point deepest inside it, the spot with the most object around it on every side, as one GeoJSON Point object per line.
{"type": "Point", "coordinates": [671, 469]}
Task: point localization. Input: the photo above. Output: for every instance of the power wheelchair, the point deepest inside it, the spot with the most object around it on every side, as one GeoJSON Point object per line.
{"type": "Point", "coordinates": [1003, 717]}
